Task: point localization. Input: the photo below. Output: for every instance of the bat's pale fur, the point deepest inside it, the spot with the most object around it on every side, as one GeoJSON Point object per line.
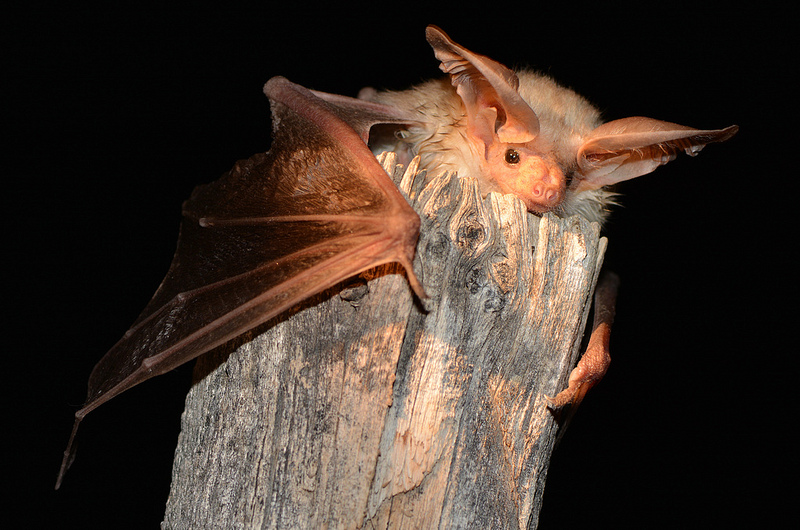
{"type": "Point", "coordinates": [565, 120]}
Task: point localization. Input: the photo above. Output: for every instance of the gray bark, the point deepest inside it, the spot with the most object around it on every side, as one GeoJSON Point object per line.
{"type": "Point", "coordinates": [364, 409]}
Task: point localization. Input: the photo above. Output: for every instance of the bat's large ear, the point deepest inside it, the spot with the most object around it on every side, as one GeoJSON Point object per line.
{"type": "Point", "coordinates": [627, 148]}
{"type": "Point", "coordinates": [495, 110]}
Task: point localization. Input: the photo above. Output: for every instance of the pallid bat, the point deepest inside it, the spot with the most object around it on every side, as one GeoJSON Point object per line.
{"type": "Point", "coordinates": [317, 208]}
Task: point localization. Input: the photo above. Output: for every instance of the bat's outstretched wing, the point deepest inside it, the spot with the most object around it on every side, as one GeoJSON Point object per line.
{"type": "Point", "coordinates": [276, 229]}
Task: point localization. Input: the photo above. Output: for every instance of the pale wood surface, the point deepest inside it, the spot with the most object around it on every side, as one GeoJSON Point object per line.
{"type": "Point", "coordinates": [364, 409]}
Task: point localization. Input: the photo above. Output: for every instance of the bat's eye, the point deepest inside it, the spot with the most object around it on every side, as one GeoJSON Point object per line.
{"type": "Point", "coordinates": [512, 157]}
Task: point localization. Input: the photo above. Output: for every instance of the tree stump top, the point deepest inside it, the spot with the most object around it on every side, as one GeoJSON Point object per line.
{"type": "Point", "coordinates": [365, 409]}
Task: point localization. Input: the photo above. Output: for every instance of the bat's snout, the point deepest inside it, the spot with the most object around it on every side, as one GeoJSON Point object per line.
{"type": "Point", "coordinates": [539, 183]}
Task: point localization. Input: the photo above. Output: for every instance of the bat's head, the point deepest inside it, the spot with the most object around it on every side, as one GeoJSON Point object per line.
{"type": "Point", "coordinates": [513, 153]}
{"type": "Point", "coordinates": [502, 128]}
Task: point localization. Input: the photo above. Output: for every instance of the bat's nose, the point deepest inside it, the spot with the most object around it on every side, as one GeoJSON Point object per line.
{"type": "Point", "coordinates": [547, 193]}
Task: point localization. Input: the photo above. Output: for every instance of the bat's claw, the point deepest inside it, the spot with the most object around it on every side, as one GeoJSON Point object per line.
{"type": "Point", "coordinates": [570, 396]}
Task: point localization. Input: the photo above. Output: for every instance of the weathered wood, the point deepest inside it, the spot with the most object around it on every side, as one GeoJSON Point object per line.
{"type": "Point", "coordinates": [363, 409]}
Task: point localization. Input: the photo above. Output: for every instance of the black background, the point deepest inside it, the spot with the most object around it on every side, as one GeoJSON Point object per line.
{"type": "Point", "coordinates": [113, 112]}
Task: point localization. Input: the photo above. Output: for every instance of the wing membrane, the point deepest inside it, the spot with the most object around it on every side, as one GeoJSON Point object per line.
{"type": "Point", "coordinates": [276, 229]}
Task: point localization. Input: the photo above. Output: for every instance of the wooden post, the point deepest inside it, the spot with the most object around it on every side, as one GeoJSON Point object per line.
{"type": "Point", "coordinates": [364, 409]}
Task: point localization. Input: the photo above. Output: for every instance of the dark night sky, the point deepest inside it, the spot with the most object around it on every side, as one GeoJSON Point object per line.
{"type": "Point", "coordinates": [113, 115]}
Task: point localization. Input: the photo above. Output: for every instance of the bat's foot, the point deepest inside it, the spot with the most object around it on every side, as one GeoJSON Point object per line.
{"type": "Point", "coordinates": [594, 363]}
{"type": "Point", "coordinates": [590, 370]}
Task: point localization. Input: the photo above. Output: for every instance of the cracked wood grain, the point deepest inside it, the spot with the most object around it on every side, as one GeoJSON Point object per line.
{"type": "Point", "coordinates": [362, 409]}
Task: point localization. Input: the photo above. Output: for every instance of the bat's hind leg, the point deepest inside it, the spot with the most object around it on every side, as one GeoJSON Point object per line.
{"type": "Point", "coordinates": [594, 363]}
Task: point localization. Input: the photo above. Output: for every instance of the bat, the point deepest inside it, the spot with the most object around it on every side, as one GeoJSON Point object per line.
{"type": "Point", "coordinates": [317, 208]}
